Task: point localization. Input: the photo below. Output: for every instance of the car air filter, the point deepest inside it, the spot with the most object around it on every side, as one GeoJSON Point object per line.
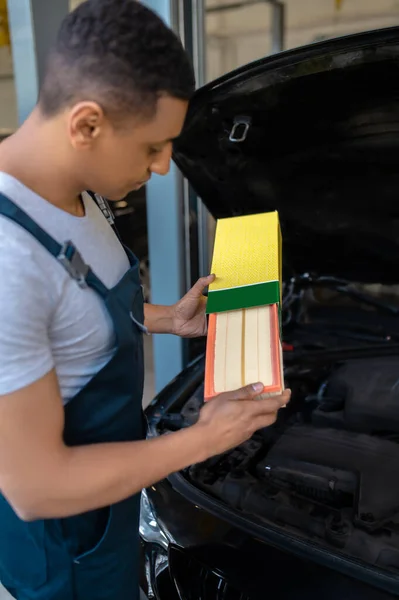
{"type": "Point", "coordinates": [244, 337]}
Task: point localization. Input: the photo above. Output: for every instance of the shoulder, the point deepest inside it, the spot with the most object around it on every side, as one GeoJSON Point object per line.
{"type": "Point", "coordinates": [24, 260]}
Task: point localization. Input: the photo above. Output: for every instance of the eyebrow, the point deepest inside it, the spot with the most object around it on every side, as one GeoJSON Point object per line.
{"type": "Point", "coordinates": [166, 141]}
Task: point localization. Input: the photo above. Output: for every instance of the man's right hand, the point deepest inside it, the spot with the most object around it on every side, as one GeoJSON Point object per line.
{"type": "Point", "coordinates": [42, 478]}
{"type": "Point", "coordinates": [232, 418]}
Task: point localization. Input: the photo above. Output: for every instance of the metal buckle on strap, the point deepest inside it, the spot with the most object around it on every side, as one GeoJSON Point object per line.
{"type": "Point", "coordinates": [105, 208]}
{"type": "Point", "coordinates": [73, 263]}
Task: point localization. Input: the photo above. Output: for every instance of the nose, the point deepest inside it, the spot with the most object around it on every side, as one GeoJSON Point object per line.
{"type": "Point", "coordinates": [161, 164]}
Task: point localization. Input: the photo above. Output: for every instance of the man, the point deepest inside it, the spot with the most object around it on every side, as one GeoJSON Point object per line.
{"type": "Point", "coordinates": [73, 458]}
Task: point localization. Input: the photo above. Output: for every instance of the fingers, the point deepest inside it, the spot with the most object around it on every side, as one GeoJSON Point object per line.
{"type": "Point", "coordinates": [285, 397]}
{"type": "Point", "coordinates": [262, 422]}
{"type": "Point", "coordinates": [265, 409]}
{"type": "Point", "coordinates": [201, 284]}
{"type": "Point", "coordinates": [245, 393]}
{"type": "Point", "coordinates": [255, 390]}
{"type": "Point", "coordinates": [269, 408]}
{"type": "Point", "coordinates": [266, 405]}
{"type": "Point", "coordinates": [261, 407]}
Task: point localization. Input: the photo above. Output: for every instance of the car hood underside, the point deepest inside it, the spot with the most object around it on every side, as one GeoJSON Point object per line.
{"type": "Point", "coordinates": [314, 134]}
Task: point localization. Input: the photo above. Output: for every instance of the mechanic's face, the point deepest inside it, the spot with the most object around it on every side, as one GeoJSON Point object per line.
{"type": "Point", "coordinates": [114, 161]}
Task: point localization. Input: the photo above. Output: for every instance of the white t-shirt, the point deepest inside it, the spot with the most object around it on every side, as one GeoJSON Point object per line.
{"type": "Point", "coordinates": [46, 319]}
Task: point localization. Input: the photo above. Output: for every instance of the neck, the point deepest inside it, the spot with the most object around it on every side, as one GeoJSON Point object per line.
{"type": "Point", "coordinates": [37, 156]}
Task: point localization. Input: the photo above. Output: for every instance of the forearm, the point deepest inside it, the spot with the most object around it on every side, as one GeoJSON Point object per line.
{"type": "Point", "coordinates": [94, 476]}
{"type": "Point", "coordinates": [158, 319]}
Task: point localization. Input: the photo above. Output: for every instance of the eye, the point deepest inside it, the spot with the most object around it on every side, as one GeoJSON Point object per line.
{"type": "Point", "coordinates": [153, 151]}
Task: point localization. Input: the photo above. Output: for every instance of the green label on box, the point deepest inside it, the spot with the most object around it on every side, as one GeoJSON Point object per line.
{"type": "Point", "coordinates": [248, 296]}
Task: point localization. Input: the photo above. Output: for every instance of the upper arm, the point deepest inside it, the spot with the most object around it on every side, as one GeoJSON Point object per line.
{"type": "Point", "coordinates": [26, 309]}
{"type": "Point", "coordinates": [31, 411]}
{"type": "Point", "coordinates": [31, 428]}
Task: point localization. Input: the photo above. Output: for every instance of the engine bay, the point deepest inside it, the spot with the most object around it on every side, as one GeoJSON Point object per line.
{"type": "Point", "coordinates": [327, 470]}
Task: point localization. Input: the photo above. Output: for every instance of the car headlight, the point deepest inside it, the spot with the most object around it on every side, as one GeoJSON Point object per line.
{"type": "Point", "coordinates": [151, 530]}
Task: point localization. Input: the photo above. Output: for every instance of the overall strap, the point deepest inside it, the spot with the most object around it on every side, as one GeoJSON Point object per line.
{"type": "Point", "coordinates": [66, 254]}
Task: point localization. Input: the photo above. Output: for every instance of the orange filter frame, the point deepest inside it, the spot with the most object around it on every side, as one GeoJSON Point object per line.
{"type": "Point", "coordinates": [276, 387]}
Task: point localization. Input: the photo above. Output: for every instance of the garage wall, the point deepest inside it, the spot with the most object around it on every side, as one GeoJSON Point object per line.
{"type": "Point", "coordinates": [8, 103]}
{"type": "Point", "coordinates": [237, 37]}
{"type": "Point", "coordinates": [8, 100]}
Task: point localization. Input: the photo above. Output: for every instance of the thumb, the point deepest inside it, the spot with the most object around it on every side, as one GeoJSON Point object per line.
{"type": "Point", "coordinates": [245, 393]}
{"type": "Point", "coordinates": [200, 285]}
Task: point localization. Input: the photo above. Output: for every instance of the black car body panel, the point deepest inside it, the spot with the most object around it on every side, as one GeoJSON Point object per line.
{"type": "Point", "coordinates": [211, 559]}
{"type": "Point", "coordinates": [232, 548]}
{"type": "Point", "coordinates": [322, 147]}
{"type": "Point", "coordinates": [309, 506]}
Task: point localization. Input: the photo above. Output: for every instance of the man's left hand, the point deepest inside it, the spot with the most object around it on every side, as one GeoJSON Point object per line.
{"type": "Point", "coordinates": [189, 317]}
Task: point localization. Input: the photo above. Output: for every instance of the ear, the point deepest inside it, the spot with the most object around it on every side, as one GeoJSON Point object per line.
{"type": "Point", "coordinates": [85, 123]}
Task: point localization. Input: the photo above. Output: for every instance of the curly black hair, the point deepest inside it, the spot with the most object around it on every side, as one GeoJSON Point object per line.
{"type": "Point", "coordinates": [119, 54]}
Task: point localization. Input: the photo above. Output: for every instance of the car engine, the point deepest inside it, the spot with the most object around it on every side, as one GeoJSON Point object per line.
{"type": "Point", "coordinates": [328, 470]}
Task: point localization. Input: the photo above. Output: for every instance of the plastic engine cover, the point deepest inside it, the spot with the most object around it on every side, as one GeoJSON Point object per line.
{"type": "Point", "coordinates": [362, 396]}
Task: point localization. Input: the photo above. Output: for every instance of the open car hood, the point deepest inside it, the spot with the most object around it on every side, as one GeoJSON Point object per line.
{"type": "Point", "coordinates": [319, 131]}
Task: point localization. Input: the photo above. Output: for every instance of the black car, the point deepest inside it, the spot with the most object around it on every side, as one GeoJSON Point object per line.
{"type": "Point", "coordinates": [308, 508]}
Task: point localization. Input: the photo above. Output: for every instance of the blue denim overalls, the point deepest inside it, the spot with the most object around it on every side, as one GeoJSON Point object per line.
{"type": "Point", "coordinates": [93, 556]}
